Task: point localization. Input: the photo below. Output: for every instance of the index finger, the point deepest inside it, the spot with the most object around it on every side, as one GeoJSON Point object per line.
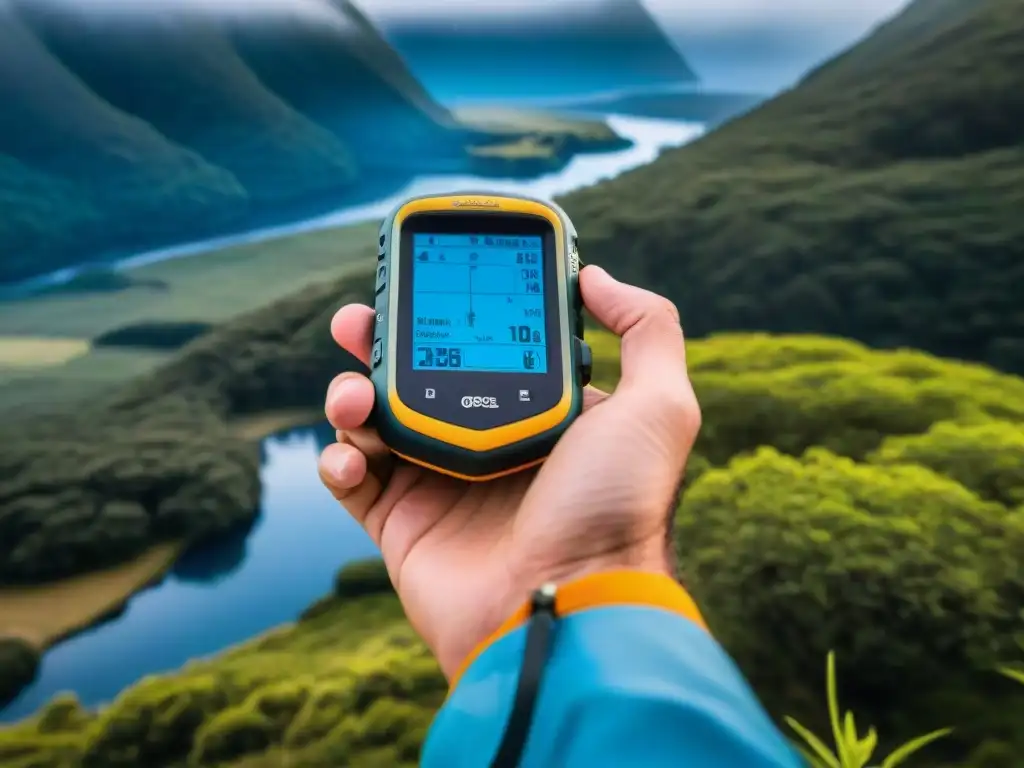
{"type": "Point", "coordinates": [352, 329]}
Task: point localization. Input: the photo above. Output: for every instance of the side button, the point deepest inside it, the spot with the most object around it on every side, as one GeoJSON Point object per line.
{"type": "Point", "coordinates": [382, 277]}
{"type": "Point", "coordinates": [586, 359]}
{"type": "Point", "coordinates": [378, 352]}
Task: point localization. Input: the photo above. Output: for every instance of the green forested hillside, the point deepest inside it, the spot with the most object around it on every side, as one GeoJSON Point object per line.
{"type": "Point", "coordinates": [880, 203]}
{"type": "Point", "coordinates": [189, 83]}
{"type": "Point", "coordinates": [76, 158]}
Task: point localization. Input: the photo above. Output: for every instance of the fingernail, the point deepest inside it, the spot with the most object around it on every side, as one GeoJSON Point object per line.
{"type": "Point", "coordinates": [338, 392]}
{"type": "Point", "coordinates": [338, 467]}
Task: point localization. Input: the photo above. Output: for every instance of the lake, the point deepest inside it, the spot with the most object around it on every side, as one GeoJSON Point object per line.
{"type": "Point", "coordinates": [247, 582]}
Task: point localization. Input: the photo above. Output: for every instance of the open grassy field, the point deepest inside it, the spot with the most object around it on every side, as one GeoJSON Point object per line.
{"type": "Point", "coordinates": [45, 354]}
{"type": "Point", "coordinates": [43, 614]}
{"type": "Point", "coordinates": [37, 352]}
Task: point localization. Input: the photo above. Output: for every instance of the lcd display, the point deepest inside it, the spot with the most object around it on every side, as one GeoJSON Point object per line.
{"type": "Point", "coordinates": [478, 303]}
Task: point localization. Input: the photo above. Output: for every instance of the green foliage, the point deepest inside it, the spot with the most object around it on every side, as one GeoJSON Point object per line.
{"type": "Point", "coordinates": [64, 713]}
{"type": "Point", "coordinates": [794, 392]}
{"type": "Point", "coordinates": [18, 664]}
{"type": "Point", "coordinates": [912, 578]}
{"type": "Point", "coordinates": [158, 459]}
{"type": "Point", "coordinates": [988, 457]}
{"type": "Point", "coordinates": [851, 749]}
{"type": "Point", "coordinates": [155, 722]}
{"type": "Point", "coordinates": [153, 335]}
{"type": "Point", "coordinates": [361, 578]}
{"type": "Point", "coordinates": [881, 206]}
{"type": "Point", "coordinates": [1013, 674]}
{"type": "Point", "coordinates": [352, 686]}
{"type": "Point", "coordinates": [231, 734]}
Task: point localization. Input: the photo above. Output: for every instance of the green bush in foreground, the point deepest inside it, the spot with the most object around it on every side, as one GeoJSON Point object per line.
{"type": "Point", "coordinates": [914, 580]}
{"type": "Point", "coordinates": [352, 686]}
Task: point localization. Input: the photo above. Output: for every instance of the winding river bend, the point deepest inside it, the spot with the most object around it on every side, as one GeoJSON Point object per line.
{"type": "Point", "coordinates": [247, 582]}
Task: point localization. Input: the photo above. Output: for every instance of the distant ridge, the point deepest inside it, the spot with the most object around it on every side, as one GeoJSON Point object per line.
{"type": "Point", "coordinates": [556, 50]}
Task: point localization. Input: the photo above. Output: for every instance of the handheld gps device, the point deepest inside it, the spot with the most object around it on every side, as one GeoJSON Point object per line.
{"type": "Point", "coordinates": [478, 358]}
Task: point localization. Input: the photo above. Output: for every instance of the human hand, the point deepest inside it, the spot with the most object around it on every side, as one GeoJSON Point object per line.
{"type": "Point", "coordinates": [463, 556]}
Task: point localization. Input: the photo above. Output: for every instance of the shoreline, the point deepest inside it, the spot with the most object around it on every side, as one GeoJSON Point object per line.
{"type": "Point", "coordinates": [43, 615]}
{"type": "Point", "coordinates": [32, 613]}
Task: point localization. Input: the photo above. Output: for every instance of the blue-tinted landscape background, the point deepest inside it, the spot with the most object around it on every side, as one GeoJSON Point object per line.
{"type": "Point", "coordinates": [831, 194]}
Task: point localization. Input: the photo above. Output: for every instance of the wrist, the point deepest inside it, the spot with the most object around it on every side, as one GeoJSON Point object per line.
{"type": "Point", "coordinates": [595, 583]}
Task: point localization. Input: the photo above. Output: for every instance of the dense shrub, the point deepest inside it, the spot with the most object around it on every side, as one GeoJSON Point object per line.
{"type": "Point", "coordinates": [63, 713]}
{"type": "Point", "coordinates": [988, 458]}
{"type": "Point", "coordinates": [363, 577]}
{"type": "Point", "coordinates": [157, 459]}
{"type": "Point", "coordinates": [796, 392]}
{"type": "Point", "coordinates": [18, 664]}
{"type": "Point", "coordinates": [155, 722]}
{"type": "Point", "coordinates": [230, 734]}
{"type": "Point", "coordinates": [915, 581]}
{"type": "Point", "coordinates": [153, 335]}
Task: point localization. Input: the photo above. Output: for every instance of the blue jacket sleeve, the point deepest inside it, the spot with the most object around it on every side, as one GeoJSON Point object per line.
{"type": "Point", "coordinates": [634, 684]}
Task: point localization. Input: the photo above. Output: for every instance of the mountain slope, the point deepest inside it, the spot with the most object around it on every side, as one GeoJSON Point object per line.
{"type": "Point", "coordinates": [884, 207]}
{"type": "Point", "coordinates": [920, 20]}
{"type": "Point", "coordinates": [189, 83]}
{"type": "Point", "coordinates": [336, 71]}
{"type": "Point", "coordinates": [51, 124]}
{"type": "Point", "coordinates": [537, 50]}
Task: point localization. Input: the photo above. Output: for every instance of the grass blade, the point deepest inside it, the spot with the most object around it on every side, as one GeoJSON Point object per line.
{"type": "Point", "coordinates": [816, 744]}
{"type": "Point", "coordinates": [900, 755]}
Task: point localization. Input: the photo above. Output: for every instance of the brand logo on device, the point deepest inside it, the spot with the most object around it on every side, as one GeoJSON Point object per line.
{"type": "Point", "coordinates": [479, 402]}
{"type": "Point", "coordinates": [475, 202]}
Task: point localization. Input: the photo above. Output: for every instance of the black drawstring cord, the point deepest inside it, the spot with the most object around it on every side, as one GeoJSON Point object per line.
{"type": "Point", "coordinates": [539, 635]}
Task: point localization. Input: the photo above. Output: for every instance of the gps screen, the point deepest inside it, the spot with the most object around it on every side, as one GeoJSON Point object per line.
{"type": "Point", "coordinates": [478, 303]}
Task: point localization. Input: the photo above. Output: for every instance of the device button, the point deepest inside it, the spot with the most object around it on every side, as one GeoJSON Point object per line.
{"type": "Point", "coordinates": [378, 352]}
{"type": "Point", "coordinates": [525, 396]}
{"type": "Point", "coordinates": [430, 394]}
{"type": "Point", "coordinates": [586, 359]}
{"type": "Point", "coordinates": [382, 277]}
{"type": "Point", "coordinates": [381, 254]}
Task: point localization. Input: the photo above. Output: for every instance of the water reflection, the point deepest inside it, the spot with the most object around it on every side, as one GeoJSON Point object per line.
{"type": "Point", "coordinates": [219, 594]}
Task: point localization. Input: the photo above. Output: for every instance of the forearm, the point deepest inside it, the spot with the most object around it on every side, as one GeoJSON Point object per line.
{"type": "Point", "coordinates": [633, 678]}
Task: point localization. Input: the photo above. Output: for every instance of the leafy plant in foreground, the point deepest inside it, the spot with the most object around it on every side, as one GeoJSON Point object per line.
{"type": "Point", "coordinates": [1013, 674]}
{"type": "Point", "coordinates": [851, 750]}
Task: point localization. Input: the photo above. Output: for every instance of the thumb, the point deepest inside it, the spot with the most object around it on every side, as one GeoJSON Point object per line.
{"type": "Point", "coordinates": [653, 352]}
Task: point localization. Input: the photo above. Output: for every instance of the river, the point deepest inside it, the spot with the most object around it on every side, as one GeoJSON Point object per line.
{"type": "Point", "coordinates": [649, 137]}
{"type": "Point", "coordinates": [248, 582]}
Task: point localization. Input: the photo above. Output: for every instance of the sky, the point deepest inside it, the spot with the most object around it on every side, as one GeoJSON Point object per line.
{"type": "Point", "coordinates": [704, 13]}
{"type": "Point", "coordinates": [751, 45]}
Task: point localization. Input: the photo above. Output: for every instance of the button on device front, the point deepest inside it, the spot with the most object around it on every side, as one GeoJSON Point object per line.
{"type": "Point", "coordinates": [378, 352]}
{"type": "Point", "coordinates": [382, 277]}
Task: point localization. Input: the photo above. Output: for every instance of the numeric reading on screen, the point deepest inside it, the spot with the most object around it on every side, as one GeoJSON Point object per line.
{"type": "Point", "coordinates": [478, 303]}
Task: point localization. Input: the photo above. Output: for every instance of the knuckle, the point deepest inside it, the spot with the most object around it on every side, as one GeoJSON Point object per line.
{"type": "Point", "coordinates": [668, 309]}
{"type": "Point", "coordinates": [682, 408]}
